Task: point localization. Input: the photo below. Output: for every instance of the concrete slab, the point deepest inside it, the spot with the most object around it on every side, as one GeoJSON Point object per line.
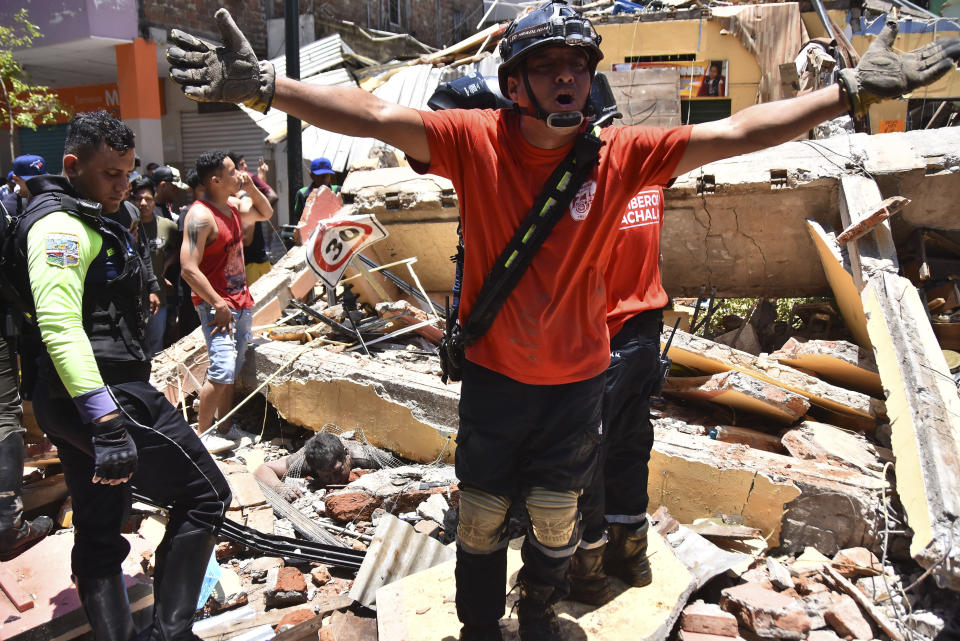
{"type": "Point", "coordinates": [742, 392]}
{"type": "Point", "coordinates": [813, 441]}
{"type": "Point", "coordinates": [43, 572]}
{"type": "Point", "coordinates": [712, 358]}
{"type": "Point", "coordinates": [421, 607]}
{"type": "Point", "coordinates": [839, 362]}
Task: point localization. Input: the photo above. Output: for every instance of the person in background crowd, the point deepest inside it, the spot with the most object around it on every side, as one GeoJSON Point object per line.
{"type": "Point", "coordinates": [24, 167]}
{"type": "Point", "coordinates": [151, 167]}
{"type": "Point", "coordinates": [211, 260]}
{"type": "Point", "coordinates": [255, 258]}
{"type": "Point", "coordinates": [162, 238]}
{"type": "Point", "coordinates": [169, 189]}
{"type": "Point", "coordinates": [321, 174]}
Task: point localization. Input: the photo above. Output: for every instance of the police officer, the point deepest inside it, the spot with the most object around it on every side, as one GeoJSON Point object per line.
{"type": "Point", "coordinates": [113, 430]}
{"type": "Point", "coordinates": [16, 535]}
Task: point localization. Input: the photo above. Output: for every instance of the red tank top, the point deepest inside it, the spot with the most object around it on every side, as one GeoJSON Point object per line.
{"type": "Point", "coordinates": [222, 262]}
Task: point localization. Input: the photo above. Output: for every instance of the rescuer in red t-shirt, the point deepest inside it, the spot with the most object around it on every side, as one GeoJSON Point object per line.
{"type": "Point", "coordinates": [532, 385]}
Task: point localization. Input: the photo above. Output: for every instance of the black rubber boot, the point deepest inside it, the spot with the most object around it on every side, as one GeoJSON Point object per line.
{"type": "Point", "coordinates": [588, 580]}
{"type": "Point", "coordinates": [16, 535]}
{"type": "Point", "coordinates": [107, 607]}
{"type": "Point", "coordinates": [181, 565]}
{"type": "Point", "coordinates": [481, 594]}
{"type": "Point", "coordinates": [626, 554]}
{"type": "Point", "coordinates": [535, 615]}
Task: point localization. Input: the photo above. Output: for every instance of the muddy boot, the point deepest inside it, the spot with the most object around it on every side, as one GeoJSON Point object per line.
{"type": "Point", "coordinates": [481, 594]}
{"type": "Point", "coordinates": [107, 607]}
{"type": "Point", "coordinates": [626, 554]}
{"type": "Point", "coordinates": [588, 580]}
{"type": "Point", "coordinates": [535, 615]}
{"type": "Point", "coordinates": [181, 565]}
{"type": "Point", "coordinates": [16, 535]}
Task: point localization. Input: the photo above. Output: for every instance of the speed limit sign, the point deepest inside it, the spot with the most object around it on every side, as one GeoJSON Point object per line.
{"type": "Point", "coordinates": [336, 240]}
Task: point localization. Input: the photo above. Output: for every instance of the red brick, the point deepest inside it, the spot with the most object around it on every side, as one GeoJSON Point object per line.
{"type": "Point", "coordinates": [293, 618]}
{"type": "Point", "coordinates": [290, 579]}
{"type": "Point", "coordinates": [768, 614]}
{"type": "Point", "coordinates": [845, 617]}
{"type": "Point", "coordinates": [709, 619]}
{"type": "Point", "coordinates": [285, 586]}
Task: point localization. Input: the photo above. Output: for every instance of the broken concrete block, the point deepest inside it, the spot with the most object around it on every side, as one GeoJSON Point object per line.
{"type": "Point", "coordinates": [759, 576]}
{"type": "Point", "coordinates": [433, 508]}
{"type": "Point", "coordinates": [285, 586]}
{"type": "Point", "coordinates": [876, 588]}
{"type": "Point", "coordinates": [346, 626]}
{"type": "Point", "coordinates": [245, 489]}
{"type": "Point", "coordinates": [320, 575]}
{"type": "Point", "coordinates": [766, 613]}
{"type": "Point", "coordinates": [779, 575]}
{"type": "Point", "coordinates": [708, 618]}
{"type": "Point", "coordinates": [293, 618]}
{"type": "Point", "coordinates": [745, 339]}
{"type": "Point", "coordinates": [794, 503]}
{"type": "Point", "coordinates": [816, 605]}
{"type": "Point", "coordinates": [421, 607]}
{"type": "Point", "coordinates": [845, 617]}
{"type": "Point", "coordinates": [856, 562]}
{"type": "Point", "coordinates": [823, 635]}
{"type": "Point", "coordinates": [427, 527]}
{"type": "Point", "coordinates": [838, 362]}
{"type": "Point", "coordinates": [811, 560]}
{"type": "Point", "coordinates": [753, 438]}
{"type": "Point", "coordinates": [397, 406]}
{"type": "Point", "coordinates": [396, 490]}
{"type": "Point", "coordinates": [743, 392]}
{"type": "Point", "coordinates": [712, 358]}
{"type": "Point", "coordinates": [260, 566]}
{"type": "Point", "coordinates": [228, 593]}
{"type": "Point", "coordinates": [814, 441]}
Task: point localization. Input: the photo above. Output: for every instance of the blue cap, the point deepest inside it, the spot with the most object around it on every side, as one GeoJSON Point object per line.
{"type": "Point", "coordinates": [27, 166]}
{"type": "Point", "coordinates": [320, 166]}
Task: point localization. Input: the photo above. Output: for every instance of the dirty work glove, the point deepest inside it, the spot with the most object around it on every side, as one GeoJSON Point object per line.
{"type": "Point", "coordinates": [289, 493]}
{"type": "Point", "coordinates": [883, 73]}
{"type": "Point", "coordinates": [114, 453]}
{"type": "Point", "coordinates": [228, 73]}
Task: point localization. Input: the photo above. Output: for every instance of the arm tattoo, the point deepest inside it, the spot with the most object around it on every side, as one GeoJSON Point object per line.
{"type": "Point", "coordinates": [193, 231]}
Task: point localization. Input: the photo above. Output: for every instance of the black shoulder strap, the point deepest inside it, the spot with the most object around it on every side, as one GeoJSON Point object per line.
{"type": "Point", "coordinates": [548, 209]}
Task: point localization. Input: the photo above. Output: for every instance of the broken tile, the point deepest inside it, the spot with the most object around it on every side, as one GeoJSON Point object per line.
{"type": "Point", "coordinates": [766, 613]}
{"type": "Point", "coordinates": [708, 618]}
{"type": "Point", "coordinates": [845, 617]}
{"type": "Point", "coordinates": [428, 527]}
{"type": "Point", "coordinates": [433, 508]}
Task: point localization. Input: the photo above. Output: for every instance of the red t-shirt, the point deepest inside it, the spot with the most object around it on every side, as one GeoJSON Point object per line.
{"type": "Point", "coordinates": [222, 261]}
{"type": "Point", "coordinates": [552, 328]}
{"type": "Point", "coordinates": [633, 275]}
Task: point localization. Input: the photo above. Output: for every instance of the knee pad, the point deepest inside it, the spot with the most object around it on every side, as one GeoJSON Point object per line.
{"type": "Point", "coordinates": [554, 517]}
{"type": "Point", "coordinates": [483, 517]}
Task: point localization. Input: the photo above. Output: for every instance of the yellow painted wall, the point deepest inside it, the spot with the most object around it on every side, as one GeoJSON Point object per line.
{"type": "Point", "coordinates": [621, 41]}
{"type": "Point", "coordinates": [815, 28]}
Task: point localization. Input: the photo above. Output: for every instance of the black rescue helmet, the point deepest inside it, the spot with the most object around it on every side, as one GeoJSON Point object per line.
{"type": "Point", "coordinates": [552, 23]}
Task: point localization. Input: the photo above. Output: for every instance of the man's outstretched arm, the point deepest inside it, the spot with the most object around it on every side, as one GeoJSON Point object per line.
{"type": "Point", "coordinates": [882, 73]}
{"type": "Point", "coordinates": [232, 73]}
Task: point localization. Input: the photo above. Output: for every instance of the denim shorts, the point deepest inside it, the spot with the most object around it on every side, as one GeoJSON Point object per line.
{"type": "Point", "coordinates": [226, 352]}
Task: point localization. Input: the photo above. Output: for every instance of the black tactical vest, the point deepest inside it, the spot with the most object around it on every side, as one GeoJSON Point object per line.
{"type": "Point", "coordinates": [115, 297]}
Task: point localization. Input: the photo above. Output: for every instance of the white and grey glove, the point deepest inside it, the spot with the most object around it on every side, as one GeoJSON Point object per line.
{"type": "Point", "coordinates": [883, 73]}
{"type": "Point", "coordinates": [228, 73]}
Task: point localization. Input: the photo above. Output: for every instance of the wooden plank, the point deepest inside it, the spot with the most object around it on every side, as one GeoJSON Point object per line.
{"type": "Point", "coordinates": [922, 400]}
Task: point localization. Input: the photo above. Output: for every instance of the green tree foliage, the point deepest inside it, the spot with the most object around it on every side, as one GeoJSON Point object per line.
{"type": "Point", "coordinates": [23, 104]}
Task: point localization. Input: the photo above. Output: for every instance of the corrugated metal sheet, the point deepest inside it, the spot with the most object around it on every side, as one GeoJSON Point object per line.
{"type": "Point", "coordinates": [230, 130]}
{"type": "Point", "coordinates": [397, 550]}
{"type": "Point", "coordinates": [411, 87]}
{"type": "Point", "coordinates": [316, 57]}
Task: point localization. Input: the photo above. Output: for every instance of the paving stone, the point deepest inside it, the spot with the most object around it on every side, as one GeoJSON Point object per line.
{"type": "Point", "coordinates": [285, 586]}
{"type": "Point", "coordinates": [845, 617]}
{"type": "Point", "coordinates": [708, 619]}
{"type": "Point", "coordinates": [768, 614]}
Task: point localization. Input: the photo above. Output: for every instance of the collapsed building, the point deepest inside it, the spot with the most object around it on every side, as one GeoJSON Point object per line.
{"type": "Point", "coordinates": [801, 458]}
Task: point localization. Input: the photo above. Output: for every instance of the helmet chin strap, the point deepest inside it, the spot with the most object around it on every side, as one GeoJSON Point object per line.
{"type": "Point", "coordinates": [562, 121]}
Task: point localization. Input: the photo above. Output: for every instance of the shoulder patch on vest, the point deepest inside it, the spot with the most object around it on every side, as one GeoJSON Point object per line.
{"type": "Point", "coordinates": [63, 250]}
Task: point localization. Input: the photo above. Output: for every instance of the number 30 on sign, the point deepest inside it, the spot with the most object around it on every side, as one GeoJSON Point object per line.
{"type": "Point", "coordinates": [334, 242]}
